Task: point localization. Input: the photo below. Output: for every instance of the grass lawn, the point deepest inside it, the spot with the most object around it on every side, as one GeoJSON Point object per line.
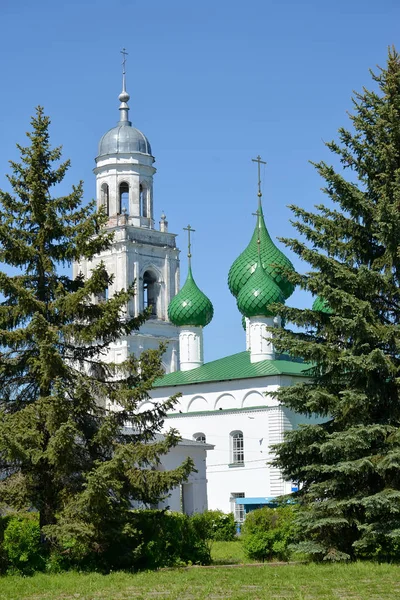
{"type": "Point", "coordinates": [228, 553]}
{"type": "Point", "coordinates": [362, 581]}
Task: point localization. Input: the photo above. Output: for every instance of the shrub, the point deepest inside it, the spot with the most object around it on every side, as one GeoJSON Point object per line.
{"type": "Point", "coordinates": [152, 539]}
{"type": "Point", "coordinates": [267, 532]}
{"type": "Point", "coordinates": [21, 546]}
{"type": "Point", "coordinates": [215, 525]}
{"type": "Point", "coordinates": [168, 539]}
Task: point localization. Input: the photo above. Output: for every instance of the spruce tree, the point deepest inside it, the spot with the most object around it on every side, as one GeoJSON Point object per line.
{"type": "Point", "coordinates": [62, 452]}
{"type": "Point", "coordinates": [348, 464]}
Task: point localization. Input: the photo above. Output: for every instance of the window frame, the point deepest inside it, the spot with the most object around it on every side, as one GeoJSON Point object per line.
{"type": "Point", "coordinates": [237, 448]}
{"type": "Point", "coordinates": [237, 509]}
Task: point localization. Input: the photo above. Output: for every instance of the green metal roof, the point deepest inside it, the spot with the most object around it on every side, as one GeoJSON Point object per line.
{"type": "Point", "coordinates": [190, 306]}
{"type": "Point", "coordinates": [321, 305]}
{"type": "Point", "coordinates": [236, 366]}
{"type": "Point", "coordinates": [258, 293]}
{"type": "Point", "coordinates": [272, 260]}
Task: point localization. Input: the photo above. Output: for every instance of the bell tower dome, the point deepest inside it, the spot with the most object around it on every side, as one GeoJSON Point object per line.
{"type": "Point", "coordinates": [124, 170]}
{"type": "Point", "coordinates": [139, 253]}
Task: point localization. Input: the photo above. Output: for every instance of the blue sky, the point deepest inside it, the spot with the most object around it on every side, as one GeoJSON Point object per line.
{"type": "Point", "coordinates": [212, 85]}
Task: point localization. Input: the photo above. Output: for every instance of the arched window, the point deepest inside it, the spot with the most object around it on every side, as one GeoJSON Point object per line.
{"type": "Point", "coordinates": [150, 292]}
{"type": "Point", "coordinates": [143, 200]}
{"type": "Point", "coordinates": [200, 437]}
{"type": "Point", "coordinates": [124, 198]}
{"type": "Point", "coordinates": [237, 448]}
{"type": "Point", "coordinates": [103, 295]}
{"type": "Point", "coordinates": [105, 198]}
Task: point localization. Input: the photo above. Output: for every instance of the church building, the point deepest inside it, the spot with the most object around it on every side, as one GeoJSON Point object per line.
{"type": "Point", "coordinates": [226, 405]}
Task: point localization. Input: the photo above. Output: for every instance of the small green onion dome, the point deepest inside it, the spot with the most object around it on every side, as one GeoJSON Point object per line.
{"type": "Point", "coordinates": [322, 306]}
{"type": "Point", "coordinates": [258, 293]}
{"type": "Point", "coordinates": [272, 259]}
{"type": "Point", "coordinates": [190, 306]}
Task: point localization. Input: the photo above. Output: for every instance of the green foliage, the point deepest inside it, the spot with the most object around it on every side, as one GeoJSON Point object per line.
{"type": "Point", "coordinates": [267, 533]}
{"type": "Point", "coordinates": [62, 452]}
{"type": "Point", "coordinates": [168, 539]}
{"type": "Point", "coordinates": [215, 525]}
{"type": "Point", "coordinates": [347, 465]}
{"type": "Point", "coordinates": [21, 545]}
{"type": "Point", "coordinates": [150, 539]}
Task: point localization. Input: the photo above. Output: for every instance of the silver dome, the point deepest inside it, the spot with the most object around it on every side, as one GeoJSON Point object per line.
{"type": "Point", "coordinates": [124, 139]}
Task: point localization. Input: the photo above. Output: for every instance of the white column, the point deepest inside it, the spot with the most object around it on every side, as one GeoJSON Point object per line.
{"type": "Point", "coordinates": [247, 323]}
{"type": "Point", "coordinates": [261, 346]}
{"type": "Point", "coordinates": [190, 348]}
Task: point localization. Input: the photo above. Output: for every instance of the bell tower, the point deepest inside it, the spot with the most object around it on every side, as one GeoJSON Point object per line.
{"type": "Point", "coordinates": [139, 252]}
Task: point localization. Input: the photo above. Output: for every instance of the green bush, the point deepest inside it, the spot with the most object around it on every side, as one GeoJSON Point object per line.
{"type": "Point", "coordinates": [167, 539]}
{"type": "Point", "coordinates": [21, 546]}
{"type": "Point", "coordinates": [215, 525]}
{"type": "Point", "coordinates": [152, 539]}
{"type": "Point", "coordinates": [267, 533]}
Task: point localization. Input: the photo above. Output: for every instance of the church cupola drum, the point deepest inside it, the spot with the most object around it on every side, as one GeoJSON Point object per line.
{"type": "Point", "coordinates": [139, 254]}
{"type": "Point", "coordinates": [190, 310]}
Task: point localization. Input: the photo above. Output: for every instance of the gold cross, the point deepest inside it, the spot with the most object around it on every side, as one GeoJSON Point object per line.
{"type": "Point", "coordinates": [260, 162]}
{"type": "Point", "coordinates": [189, 230]}
{"type": "Point", "coordinates": [124, 54]}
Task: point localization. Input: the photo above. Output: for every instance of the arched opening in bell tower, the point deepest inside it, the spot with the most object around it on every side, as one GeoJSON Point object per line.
{"type": "Point", "coordinates": [105, 198]}
{"type": "Point", "coordinates": [143, 200]}
{"type": "Point", "coordinates": [123, 198]}
{"type": "Point", "coordinates": [150, 292]}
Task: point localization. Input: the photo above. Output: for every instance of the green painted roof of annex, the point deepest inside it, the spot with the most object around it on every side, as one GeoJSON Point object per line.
{"type": "Point", "coordinates": [236, 366]}
{"type": "Point", "coordinates": [322, 305]}
{"type": "Point", "coordinates": [258, 293]}
{"type": "Point", "coordinates": [190, 306]}
{"type": "Point", "coordinates": [272, 259]}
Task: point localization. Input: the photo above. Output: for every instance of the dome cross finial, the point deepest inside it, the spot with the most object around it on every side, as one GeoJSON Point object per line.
{"type": "Point", "coordinates": [189, 230]}
{"type": "Point", "coordinates": [124, 96]}
{"type": "Point", "coordinates": [124, 54]}
{"type": "Point", "coordinates": [259, 163]}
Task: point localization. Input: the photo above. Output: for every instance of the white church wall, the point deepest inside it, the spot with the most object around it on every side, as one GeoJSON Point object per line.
{"type": "Point", "coordinates": [226, 478]}
{"type": "Point", "coordinates": [191, 497]}
{"type": "Point", "coordinates": [218, 409]}
{"type": "Point", "coordinates": [135, 251]}
{"type": "Point", "coordinates": [224, 394]}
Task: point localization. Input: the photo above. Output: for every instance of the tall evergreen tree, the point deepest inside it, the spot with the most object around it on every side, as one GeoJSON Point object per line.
{"type": "Point", "coordinates": [61, 451]}
{"type": "Point", "coordinates": [348, 466]}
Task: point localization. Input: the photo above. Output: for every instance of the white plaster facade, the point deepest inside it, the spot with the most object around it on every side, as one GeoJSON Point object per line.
{"type": "Point", "coordinates": [135, 252]}
{"type": "Point", "coordinates": [191, 496]}
{"type": "Point", "coordinates": [219, 409]}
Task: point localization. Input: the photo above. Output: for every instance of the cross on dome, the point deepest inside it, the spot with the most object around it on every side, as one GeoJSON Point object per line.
{"type": "Point", "coordinates": [189, 230]}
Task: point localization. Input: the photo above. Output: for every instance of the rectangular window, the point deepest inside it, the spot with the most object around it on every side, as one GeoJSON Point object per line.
{"type": "Point", "coordinates": [237, 509]}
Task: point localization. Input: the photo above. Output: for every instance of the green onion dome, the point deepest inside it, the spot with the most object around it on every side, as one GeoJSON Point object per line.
{"type": "Point", "coordinates": [322, 306]}
{"type": "Point", "coordinates": [258, 293]}
{"type": "Point", "coordinates": [272, 259]}
{"type": "Point", "coordinates": [190, 306]}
